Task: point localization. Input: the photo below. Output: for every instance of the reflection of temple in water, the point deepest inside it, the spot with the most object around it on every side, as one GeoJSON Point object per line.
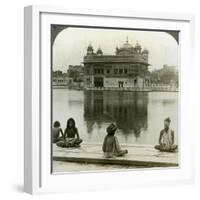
{"type": "Point", "coordinates": [127, 109]}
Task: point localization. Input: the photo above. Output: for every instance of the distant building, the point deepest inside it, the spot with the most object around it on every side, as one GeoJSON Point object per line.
{"type": "Point", "coordinates": [76, 72]}
{"type": "Point", "coordinates": [168, 75]}
{"type": "Point", "coordinates": [128, 68]}
{"type": "Point", "coordinates": [168, 68]}
{"type": "Point", "coordinates": [60, 79]}
{"type": "Point", "coordinates": [57, 73]}
{"type": "Point", "coordinates": [77, 68]}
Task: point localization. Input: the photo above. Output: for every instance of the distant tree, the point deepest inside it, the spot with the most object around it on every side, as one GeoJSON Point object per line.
{"type": "Point", "coordinates": [163, 76]}
{"type": "Point", "coordinates": [168, 76]}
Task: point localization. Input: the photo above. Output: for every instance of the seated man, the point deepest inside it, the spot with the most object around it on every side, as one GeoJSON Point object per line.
{"type": "Point", "coordinates": [166, 139]}
{"type": "Point", "coordinates": [57, 133]}
{"type": "Point", "coordinates": [71, 136]}
{"type": "Point", "coordinates": [111, 145]}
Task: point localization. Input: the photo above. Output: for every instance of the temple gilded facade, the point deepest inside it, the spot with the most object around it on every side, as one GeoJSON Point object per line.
{"type": "Point", "coordinates": [127, 68]}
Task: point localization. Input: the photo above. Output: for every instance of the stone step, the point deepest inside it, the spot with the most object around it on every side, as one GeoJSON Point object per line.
{"type": "Point", "coordinates": [138, 156]}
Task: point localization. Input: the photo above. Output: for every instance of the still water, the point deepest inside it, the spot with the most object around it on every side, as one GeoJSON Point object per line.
{"type": "Point", "coordinates": [138, 115]}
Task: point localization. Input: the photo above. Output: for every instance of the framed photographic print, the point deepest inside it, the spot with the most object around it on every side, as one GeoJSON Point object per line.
{"type": "Point", "coordinates": [107, 99]}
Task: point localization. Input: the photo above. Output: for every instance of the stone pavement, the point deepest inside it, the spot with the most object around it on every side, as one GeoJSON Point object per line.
{"type": "Point", "coordinates": [138, 156]}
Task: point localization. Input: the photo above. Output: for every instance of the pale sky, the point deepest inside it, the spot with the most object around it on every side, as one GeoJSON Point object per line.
{"type": "Point", "coordinates": [71, 44]}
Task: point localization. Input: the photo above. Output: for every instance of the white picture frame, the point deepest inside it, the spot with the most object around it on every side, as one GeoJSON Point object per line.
{"type": "Point", "coordinates": [37, 146]}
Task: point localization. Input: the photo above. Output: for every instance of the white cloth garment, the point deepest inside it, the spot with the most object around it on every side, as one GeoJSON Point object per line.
{"type": "Point", "coordinates": [167, 137]}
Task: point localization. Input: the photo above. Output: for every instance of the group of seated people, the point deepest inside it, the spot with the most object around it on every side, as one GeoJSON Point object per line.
{"type": "Point", "coordinates": [111, 147]}
{"type": "Point", "coordinates": [70, 137]}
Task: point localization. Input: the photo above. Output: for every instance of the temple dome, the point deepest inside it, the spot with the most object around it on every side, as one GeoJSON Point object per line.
{"type": "Point", "coordinates": [145, 51]}
{"type": "Point", "coordinates": [138, 46]}
{"type": "Point", "coordinates": [125, 49]}
{"type": "Point", "coordinates": [90, 48]}
{"type": "Point", "coordinates": [99, 51]}
{"type": "Point", "coordinates": [126, 46]}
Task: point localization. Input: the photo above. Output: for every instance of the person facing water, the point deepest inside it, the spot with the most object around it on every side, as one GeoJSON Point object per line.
{"type": "Point", "coordinates": [56, 132]}
{"type": "Point", "coordinates": [71, 136]}
{"type": "Point", "coordinates": [166, 139]}
{"type": "Point", "coordinates": [111, 145]}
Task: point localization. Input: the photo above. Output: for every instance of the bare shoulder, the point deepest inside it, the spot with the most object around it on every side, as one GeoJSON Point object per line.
{"type": "Point", "coordinates": [55, 129]}
{"type": "Point", "coordinates": [115, 137]}
{"type": "Point", "coordinates": [172, 131]}
{"type": "Point", "coordinates": [162, 131]}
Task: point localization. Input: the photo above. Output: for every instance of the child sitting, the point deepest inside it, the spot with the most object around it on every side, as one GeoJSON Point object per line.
{"type": "Point", "coordinates": [111, 145]}
{"type": "Point", "coordinates": [71, 136]}
{"type": "Point", "coordinates": [56, 131]}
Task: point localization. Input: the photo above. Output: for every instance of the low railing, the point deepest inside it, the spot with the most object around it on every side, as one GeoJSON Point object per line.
{"type": "Point", "coordinates": [137, 89]}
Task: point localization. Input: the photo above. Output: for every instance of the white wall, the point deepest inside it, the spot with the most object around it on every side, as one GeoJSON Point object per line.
{"type": "Point", "coordinates": [127, 82]}
{"type": "Point", "coordinates": [11, 106]}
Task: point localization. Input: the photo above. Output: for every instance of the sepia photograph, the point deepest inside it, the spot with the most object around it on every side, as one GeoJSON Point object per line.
{"type": "Point", "coordinates": [114, 99]}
